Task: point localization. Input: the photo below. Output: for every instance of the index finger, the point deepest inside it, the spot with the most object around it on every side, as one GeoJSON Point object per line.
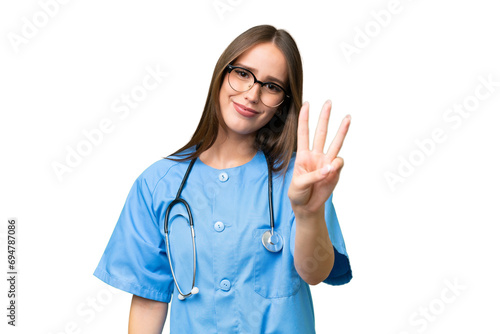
{"type": "Point", "coordinates": [337, 142]}
{"type": "Point", "coordinates": [303, 128]}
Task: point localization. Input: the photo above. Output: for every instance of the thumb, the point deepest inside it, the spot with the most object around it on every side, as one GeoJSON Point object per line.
{"type": "Point", "coordinates": [305, 181]}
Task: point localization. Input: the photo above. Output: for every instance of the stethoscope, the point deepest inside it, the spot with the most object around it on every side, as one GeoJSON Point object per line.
{"type": "Point", "coordinates": [271, 239]}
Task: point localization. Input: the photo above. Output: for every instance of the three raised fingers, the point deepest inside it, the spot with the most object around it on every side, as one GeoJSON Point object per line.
{"type": "Point", "coordinates": [321, 131]}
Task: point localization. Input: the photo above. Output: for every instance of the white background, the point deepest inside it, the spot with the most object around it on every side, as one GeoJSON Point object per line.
{"type": "Point", "coordinates": [438, 225]}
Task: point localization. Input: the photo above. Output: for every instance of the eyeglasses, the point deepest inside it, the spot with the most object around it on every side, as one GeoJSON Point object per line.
{"type": "Point", "coordinates": [241, 80]}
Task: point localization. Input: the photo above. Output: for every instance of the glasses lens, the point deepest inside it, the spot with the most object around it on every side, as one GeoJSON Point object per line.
{"type": "Point", "coordinates": [271, 95]}
{"type": "Point", "coordinates": [242, 80]}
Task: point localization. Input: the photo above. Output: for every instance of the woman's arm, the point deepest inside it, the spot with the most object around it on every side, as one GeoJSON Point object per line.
{"type": "Point", "coordinates": [315, 176]}
{"type": "Point", "coordinates": [314, 256]}
{"type": "Point", "coordinates": [146, 316]}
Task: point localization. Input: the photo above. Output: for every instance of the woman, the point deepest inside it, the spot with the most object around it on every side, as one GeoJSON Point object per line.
{"type": "Point", "coordinates": [250, 278]}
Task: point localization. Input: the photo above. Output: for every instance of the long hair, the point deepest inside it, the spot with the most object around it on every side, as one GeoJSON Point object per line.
{"type": "Point", "coordinates": [278, 138]}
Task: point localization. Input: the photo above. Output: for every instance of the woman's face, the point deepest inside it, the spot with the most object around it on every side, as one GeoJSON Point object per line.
{"type": "Point", "coordinates": [243, 112]}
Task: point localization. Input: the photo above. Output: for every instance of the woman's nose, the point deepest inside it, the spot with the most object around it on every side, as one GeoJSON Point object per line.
{"type": "Point", "coordinates": [253, 95]}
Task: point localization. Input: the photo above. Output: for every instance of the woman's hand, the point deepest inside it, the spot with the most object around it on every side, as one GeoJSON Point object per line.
{"type": "Point", "coordinates": [315, 173]}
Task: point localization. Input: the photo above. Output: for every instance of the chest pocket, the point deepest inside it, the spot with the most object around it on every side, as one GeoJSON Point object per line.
{"type": "Point", "coordinates": [274, 273]}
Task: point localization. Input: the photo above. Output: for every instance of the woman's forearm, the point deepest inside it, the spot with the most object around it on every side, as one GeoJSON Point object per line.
{"type": "Point", "coordinates": [146, 316]}
{"type": "Point", "coordinates": [314, 256]}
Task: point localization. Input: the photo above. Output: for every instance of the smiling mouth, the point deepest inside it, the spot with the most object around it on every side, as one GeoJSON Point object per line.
{"type": "Point", "coordinates": [243, 108]}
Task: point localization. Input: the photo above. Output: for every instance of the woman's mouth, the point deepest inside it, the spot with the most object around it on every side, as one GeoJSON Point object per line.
{"type": "Point", "coordinates": [244, 111]}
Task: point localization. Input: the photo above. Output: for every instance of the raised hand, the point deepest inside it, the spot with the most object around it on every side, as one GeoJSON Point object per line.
{"type": "Point", "coordinates": [315, 173]}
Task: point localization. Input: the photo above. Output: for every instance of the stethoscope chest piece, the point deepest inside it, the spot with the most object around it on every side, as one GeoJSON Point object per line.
{"type": "Point", "coordinates": [273, 242]}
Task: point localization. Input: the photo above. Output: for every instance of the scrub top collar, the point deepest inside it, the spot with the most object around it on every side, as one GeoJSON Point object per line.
{"type": "Point", "coordinates": [258, 160]}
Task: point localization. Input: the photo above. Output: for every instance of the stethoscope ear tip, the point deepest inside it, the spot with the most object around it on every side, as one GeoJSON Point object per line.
{"type": "Point", "coordinates": [194, 291]}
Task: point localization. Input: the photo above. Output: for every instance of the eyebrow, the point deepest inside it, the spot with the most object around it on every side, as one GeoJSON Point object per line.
{"type": "Point", "coordinates": [255, 70]}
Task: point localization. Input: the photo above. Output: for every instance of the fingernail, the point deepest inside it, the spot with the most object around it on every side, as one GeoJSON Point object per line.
{"type": "Point", "coordinates": [325, 170]}
{"type": "Point", "coordinates": [348, 117]}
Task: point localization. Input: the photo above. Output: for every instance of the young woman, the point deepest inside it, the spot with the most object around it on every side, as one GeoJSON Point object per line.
{"type": "Point", "coordinates": [259, 201]}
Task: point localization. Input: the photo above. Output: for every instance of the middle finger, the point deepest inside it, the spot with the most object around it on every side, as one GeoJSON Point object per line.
{"type": "Point", "coordinates": [322, 128]}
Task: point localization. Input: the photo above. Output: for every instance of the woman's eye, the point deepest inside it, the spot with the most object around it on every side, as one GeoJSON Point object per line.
{"type": "Point", "coordinates": [242, 74]}
{"type": "Point", "coordinates": [273, 88]}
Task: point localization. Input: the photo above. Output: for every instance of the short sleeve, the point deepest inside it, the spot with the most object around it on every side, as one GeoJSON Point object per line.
{"type": "Point", "coordinates": [341, 272]}
{"type": "Point", "coordinates": [134, 259]}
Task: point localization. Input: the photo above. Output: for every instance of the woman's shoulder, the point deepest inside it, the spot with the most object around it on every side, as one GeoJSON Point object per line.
{"type": "Point", "coordinates": [160, 168]}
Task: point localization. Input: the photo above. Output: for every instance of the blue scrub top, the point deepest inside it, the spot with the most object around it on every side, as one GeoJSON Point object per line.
{"type": "Point", "coordinates": [244, 288]}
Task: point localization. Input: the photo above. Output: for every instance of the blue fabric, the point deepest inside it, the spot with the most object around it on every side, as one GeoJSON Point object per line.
{"type": "Point", "coordinates": [262, 291]}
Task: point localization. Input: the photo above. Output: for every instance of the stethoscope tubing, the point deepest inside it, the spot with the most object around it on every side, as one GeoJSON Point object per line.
{"type": "Point", "coordinates": [178, 199]}
{"type": "Point", "coordinates": [272, 241]}
{"type": "Point", "coordinates": [270, 193]}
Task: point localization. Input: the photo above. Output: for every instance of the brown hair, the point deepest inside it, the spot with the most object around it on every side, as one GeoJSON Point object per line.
{"type": "Point", "coordinates": [278, 138]}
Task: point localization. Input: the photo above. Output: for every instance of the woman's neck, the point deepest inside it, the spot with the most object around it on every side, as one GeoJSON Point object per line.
{"type": "Point", "coordinates": [229, 151]}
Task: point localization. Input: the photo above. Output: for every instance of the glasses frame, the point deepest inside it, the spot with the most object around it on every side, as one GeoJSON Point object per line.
{"type": "Point", "coordinates": [230, 68]}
